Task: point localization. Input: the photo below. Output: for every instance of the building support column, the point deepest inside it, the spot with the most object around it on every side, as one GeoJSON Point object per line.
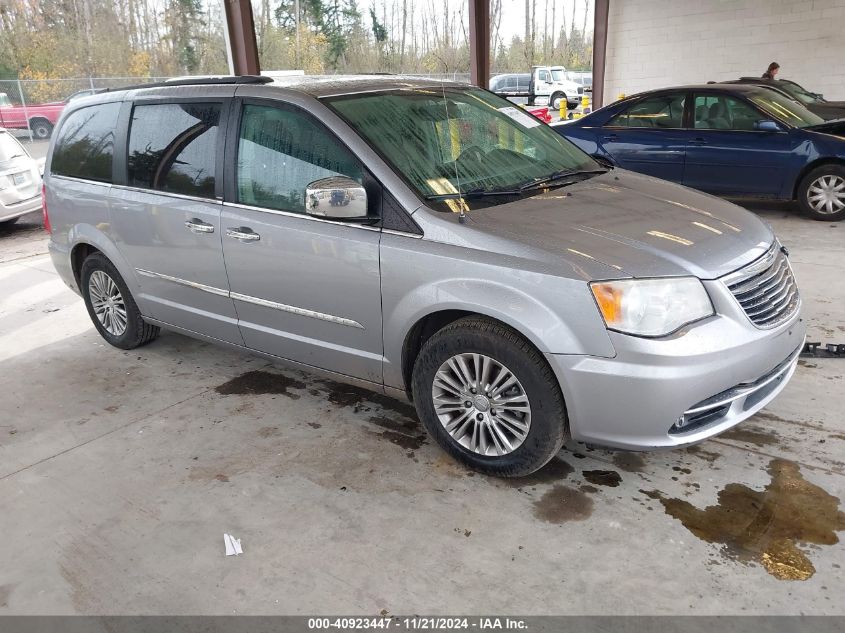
{"type": "Point", "coordinates": [479, 42]}
{"type": "Point", "coordinates": [243, 46]}
{"type": "Point", "coordinates": [599, 51]}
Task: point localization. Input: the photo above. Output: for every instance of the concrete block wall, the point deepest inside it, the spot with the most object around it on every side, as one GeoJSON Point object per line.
{"type": "Point", "coordinates": [659, 43]}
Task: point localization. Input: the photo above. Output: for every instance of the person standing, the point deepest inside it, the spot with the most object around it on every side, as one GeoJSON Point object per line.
{"type": "Point", "coordinates": [772, 71]}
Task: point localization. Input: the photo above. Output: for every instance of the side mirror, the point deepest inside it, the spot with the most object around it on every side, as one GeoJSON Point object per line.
{"type": "Point", "coordinates": [337, 197]}
{"type": "Point", "coordinates": [766, 126]}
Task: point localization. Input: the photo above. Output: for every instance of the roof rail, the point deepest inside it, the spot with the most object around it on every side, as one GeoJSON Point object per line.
{"type": "Point", "coordinates": [201, 81]}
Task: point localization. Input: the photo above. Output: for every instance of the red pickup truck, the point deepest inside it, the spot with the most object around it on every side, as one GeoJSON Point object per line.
{"type": "Point", "coordinates": [39, 117]}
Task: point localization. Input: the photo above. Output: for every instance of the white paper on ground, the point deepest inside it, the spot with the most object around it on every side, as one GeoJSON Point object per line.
{"type": "Point", "coordinates": [520, 116]}
{"type": "Point", "coordinates": [233, 545]}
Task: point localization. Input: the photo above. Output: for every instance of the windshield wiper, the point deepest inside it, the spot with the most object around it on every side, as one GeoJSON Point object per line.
{"type": "Point", "coordinates": [543, 181]}
{"type": "Point", "coordinates": [475, 193]}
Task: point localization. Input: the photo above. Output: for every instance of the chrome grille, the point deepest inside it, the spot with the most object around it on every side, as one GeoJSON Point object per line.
{"type": "Point", "coordinates": [766, 289]}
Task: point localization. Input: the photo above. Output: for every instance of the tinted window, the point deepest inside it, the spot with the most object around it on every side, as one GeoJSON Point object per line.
{"type": "Point", "coordinates": [172, 147]}
{"type": "Point", "coordinates": [665, 111]}
{"type": "Point", "coordinates": [721, 112]}
{"type": "Point", "coordinates": [85, 144]}
{"type": "Point", "coordinates": [281, 151]}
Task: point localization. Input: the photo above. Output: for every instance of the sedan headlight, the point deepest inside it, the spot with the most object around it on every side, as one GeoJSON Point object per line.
{"type": "Point", "coordinates": [651, 307]}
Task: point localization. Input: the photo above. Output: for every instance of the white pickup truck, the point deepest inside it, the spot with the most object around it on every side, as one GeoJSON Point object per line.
{"type": "Point", "coordinates": [546, 83]}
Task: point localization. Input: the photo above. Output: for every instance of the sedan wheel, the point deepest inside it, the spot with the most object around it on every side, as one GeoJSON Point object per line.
{"type": "Point", "coordinates": [821, 193]}
{"type": "Point", "coordinates": [826, 195]}
{"type": "Point", "coordinates": [481, 404]}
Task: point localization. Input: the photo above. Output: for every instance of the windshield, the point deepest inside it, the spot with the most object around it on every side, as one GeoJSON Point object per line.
{"type": "Point", "coordinates": [794, 90]}
{"type": "Point", "coordinates": [558, 74]}
{"type": "Point", "coordinates": [785, 109]}
{"type": "Point", "coordinates": [9, 147]}
{"type": "Point", "coordinates": [459, 140]}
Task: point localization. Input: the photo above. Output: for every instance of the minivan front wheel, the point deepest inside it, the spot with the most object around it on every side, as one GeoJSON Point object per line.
{"type": "Point", "coordinates": [821, 193]}
{"type": "Point", "coordinates": [111, 306]}
{"type": "Point", "coordinates": [489, 398]}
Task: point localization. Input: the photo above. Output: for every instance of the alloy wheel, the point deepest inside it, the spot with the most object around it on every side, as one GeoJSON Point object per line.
{"type": "Point", "coordinates": [481, 404]}
{"type": "Point", "coordinates": [826, 194]}
{"type": "Point", "coordinates": [107, 302]}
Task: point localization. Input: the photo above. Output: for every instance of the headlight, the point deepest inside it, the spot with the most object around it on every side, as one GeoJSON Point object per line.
{"type": "Point", "coordinates": [651, 307]}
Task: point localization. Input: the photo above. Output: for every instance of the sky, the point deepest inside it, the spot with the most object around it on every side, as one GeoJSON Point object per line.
{"type": "Point", "coordinates": [513, 15]}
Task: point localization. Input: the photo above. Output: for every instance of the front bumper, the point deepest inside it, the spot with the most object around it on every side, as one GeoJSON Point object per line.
{"type": "Point", "coordinates": [11, 211]}
{"type": "Point", "coordinates": [680, 389]}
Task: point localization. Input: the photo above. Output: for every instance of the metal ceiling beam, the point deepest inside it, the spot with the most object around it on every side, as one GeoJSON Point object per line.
{"type": "Point", "coordinates": [599, 51]}
{"type": "Point", "coordinates": [243, 45]}
{"type": "Point", "coordinates": [479, 42]}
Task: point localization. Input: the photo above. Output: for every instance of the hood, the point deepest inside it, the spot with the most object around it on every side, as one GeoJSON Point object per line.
{"type": "Point", "coordinates": [836, 127]}
{"type": "Point", "coordinates": [637, 225]}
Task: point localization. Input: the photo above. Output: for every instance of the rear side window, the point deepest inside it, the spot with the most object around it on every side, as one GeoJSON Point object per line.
{"type": "Point", "coordinates": [173, 147]}
{"type": "Point", "coordinates": [85, 145]}
{"type": "Point", "coordinates": [664, 111]}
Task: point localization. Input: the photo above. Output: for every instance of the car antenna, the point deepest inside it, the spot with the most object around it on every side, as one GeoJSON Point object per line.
{"type": "Point", "coordinates": [462, 218]}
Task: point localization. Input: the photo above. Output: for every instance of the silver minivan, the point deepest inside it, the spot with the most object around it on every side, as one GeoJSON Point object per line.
{"type": "Point", "coordinates": [430, 241]}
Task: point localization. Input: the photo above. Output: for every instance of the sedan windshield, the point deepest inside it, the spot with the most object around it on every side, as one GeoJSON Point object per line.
{"type": "Point", "coordinates": [461, 141]}
{"type": "Point", "coordinates": [798, 92]}
{"type": "Point", "coordinates": [784, 109]}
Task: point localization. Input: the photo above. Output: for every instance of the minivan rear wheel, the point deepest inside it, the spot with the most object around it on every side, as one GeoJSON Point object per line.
{"type": "Point", "coordinates": [821, 193]}
{"type": "Point", "coordinates": [489, 398]}
{"type": "Point", "coordinates": [111, 306]}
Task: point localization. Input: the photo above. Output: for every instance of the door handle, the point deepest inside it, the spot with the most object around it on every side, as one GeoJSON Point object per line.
{"type": "Point", "coordinates": [610, 137]}
{"type": "Point", "coordinates": [196, 225]}
{"type": "Point", "coordinates": [698, 141]}
{"type": "Point", "coordinates": [242, 233]}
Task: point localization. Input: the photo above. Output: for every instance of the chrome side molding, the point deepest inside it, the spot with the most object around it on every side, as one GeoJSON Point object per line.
{"type": "Point", "coordinates": [313, 314]}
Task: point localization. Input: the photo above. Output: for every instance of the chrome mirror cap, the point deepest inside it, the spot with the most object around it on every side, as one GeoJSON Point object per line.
{"type": "Point", "coordinates": [336, 197]}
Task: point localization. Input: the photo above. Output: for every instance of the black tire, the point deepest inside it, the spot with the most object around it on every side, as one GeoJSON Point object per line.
{"type": "Point", "coordinates": [548, 428]}
{"type": "Point", "coordinates": [557, 97]}
{"type": "Point", "coordinates": [830, 170]}
{"type": "Point", "coordinates": [10, 221]}
{"type": "Point", "coordinates": [571, 106]}
{"type": "Point", "coordinates": [137, 332]}
{"type": "Point", "coordinates": [41, 129]}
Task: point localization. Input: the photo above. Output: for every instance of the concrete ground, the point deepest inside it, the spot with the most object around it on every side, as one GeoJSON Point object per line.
{"type": "Point", "coordinates": [121, 471]}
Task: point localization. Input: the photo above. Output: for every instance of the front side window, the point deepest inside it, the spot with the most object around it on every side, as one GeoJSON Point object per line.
{"type": "Point", "coordinates": [85, 145]}
{"type": "Point", "coordinates": [281, 151]}
{"type": "Point", "coordinates": [664, 111]}
{"type": "Point", "coordinates": [459, 140]}
{"type": "Point", "coordinates": [721, 112]}
{"type": "Point", "coordinates": [173, 147]}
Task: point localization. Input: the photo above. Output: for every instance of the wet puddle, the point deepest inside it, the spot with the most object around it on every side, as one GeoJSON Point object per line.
{"type": "Point", "coordinates": [259, 383]}
{"type": "Point", "coordinates": [406, 433]}
{"type": "Point", "coordinates": [629, 462]}
{"type": "Point", "coordinates": [563, 504]}
{"type": "Point", "coordinates": [750, 435]}
{"type": "Point", "coordinates": [769, 526]}
{"type": "Point", "coordinates": [609, 478]}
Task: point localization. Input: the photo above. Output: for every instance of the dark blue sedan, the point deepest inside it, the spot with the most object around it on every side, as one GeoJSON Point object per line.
{"type": "Point", "coordinates": [736, 141]}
